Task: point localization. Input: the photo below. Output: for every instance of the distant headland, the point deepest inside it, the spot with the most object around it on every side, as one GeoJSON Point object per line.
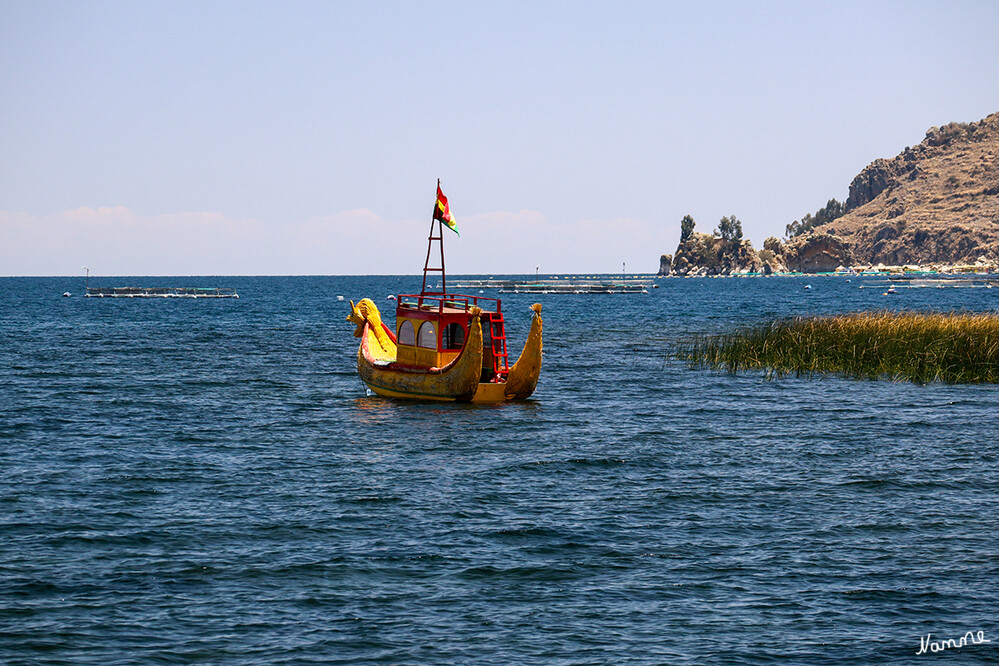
{"type": "Point", "coordinates": [934, 207]}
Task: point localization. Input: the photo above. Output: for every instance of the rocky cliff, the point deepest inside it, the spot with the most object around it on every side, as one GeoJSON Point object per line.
{"type": "Point", "coordinates": [706, 254]}
{"type": "Point", "coordinates": [935, 203]}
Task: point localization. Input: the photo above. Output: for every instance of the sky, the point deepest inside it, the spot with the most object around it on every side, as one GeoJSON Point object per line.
{"type": "Point", "coordinates": [307, 138]}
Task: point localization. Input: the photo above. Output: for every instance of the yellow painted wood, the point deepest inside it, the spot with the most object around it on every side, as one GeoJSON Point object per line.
{"type": "Point", "coordinates": [428, 358]}
{"type": "Point", "coordinates": [491, 392]}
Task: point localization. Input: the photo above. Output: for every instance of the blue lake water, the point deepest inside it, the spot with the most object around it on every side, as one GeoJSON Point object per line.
{"type": "Point", "coordinates": [206, 481]}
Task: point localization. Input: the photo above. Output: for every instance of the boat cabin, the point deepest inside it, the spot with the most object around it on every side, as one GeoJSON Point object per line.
{"type": "Point", "coordinates": [431, 330]}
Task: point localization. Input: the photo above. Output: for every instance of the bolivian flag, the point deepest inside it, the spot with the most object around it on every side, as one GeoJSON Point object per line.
{"type": "Point", "coordinates": [442, 212]}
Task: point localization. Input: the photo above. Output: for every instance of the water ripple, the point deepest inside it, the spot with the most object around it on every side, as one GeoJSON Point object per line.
{"type": "Point", "coordinates": [209, 483]}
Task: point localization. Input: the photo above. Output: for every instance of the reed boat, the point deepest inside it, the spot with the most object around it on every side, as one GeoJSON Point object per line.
{"type": "Point", "coordinates": [445, 346]}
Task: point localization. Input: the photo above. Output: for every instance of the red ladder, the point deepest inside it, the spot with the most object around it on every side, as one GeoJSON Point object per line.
{"type": "Point", "coordinates": [498, 342]}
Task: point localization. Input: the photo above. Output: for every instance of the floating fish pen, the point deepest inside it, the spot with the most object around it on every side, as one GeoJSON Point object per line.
{"type": "Point", "coordinates": [942, 282]}
{"type": "Point", "coordinates": [609, 288]}
{"type": "Point", "coordinates": [567, 286]}
{"type": "Point", "coordinates": [161, 292]}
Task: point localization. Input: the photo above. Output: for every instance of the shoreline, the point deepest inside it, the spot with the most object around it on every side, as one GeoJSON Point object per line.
{"type": "Point", "coordinates": [978, 269]}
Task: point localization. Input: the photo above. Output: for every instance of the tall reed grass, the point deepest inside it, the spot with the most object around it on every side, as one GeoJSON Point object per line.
{"type": "Point", "coordinates": [955, 347]}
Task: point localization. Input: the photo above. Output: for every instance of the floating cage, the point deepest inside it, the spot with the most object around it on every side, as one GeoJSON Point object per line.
{"type": "Point", "coordinates": [161, 292]}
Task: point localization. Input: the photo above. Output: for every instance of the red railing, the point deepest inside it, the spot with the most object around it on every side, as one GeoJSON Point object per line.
{"type": "Point", "coordinates": [427, 303]}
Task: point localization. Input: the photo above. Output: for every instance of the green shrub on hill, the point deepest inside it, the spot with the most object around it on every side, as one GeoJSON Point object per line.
{"type": "Point", "coordinates": [832, 210]}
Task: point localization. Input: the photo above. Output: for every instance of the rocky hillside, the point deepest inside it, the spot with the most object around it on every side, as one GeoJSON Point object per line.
{"type": "Point", "coordinates": [936, 203]}
{"type": "Point", "coordinates": [707, 254]}
{"type": "Point", "coordinates": [704, 254]}
{"type": "Point", "coordinates": [723, 252]}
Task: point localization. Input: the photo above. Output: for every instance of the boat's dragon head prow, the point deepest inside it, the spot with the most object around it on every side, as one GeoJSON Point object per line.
{"type": "Point", "coordinates": [364, 311]}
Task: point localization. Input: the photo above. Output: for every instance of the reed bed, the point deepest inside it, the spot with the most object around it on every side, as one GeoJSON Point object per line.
{"type": "Point", "coordinates": [955, 347]}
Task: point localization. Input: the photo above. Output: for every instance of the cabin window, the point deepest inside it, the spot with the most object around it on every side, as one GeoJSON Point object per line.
{"type": "Point", "coordinates": [454, 336]}
{"type": "Point", "coordinates": [428, 336]}
{"type": "Point", "coordinates": [407, 334]}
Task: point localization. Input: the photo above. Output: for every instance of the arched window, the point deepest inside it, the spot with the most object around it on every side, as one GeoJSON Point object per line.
{"type": "Point", "coordinates": [428, 336]}
{"type": "Point", "coordinates": [454, 336]}
{"type": "Point", "coordinates": [407, 335]}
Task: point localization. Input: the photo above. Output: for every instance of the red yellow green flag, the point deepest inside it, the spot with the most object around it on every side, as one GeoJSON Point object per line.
{"type": "Point", "coordinates": [443, 213]}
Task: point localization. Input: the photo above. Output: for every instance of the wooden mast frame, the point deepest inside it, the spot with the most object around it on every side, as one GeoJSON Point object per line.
{"type": "Point", "coordinates": [430, 245]}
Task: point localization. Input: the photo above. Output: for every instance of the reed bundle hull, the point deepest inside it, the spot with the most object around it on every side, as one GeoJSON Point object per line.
{"type": "Point", "coordinates": [445, 346]}
{"type": "Point", "coordinates": [459, 380]}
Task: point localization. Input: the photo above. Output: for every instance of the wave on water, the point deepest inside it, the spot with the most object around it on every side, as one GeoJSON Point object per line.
{"type": "Point", "coordinates": [188, 481]}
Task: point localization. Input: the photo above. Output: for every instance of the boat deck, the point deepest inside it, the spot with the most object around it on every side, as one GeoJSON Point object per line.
{"type": "Point", "coordinates": [446, 309]}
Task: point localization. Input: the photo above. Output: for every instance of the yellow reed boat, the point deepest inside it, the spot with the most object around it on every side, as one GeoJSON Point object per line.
{"type": "Point", "coordinates": [449, 347]}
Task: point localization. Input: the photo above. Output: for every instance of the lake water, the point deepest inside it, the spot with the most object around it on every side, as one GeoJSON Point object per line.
{"type": "Point", "coordinates": [207, 481]}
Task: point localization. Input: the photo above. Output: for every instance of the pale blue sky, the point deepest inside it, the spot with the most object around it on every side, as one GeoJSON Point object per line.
{"type": "Point", "coordinates": [183, 138]}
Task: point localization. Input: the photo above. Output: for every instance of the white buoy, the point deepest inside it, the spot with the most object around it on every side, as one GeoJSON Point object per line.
{"type": "Point", "coordinates": [808, 286]}
{"type": "Point", "coordinates": [390, 297]}
{"type": "Point", "coordinates": [339, 298]}
{"type": "Point", "coordinates": [66, 294]}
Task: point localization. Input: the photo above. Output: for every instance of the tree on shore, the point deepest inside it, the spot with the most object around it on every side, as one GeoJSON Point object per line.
{"type": "Point", "coordinates": [730, 231]}
{"type": "Point", "coordinates": [832, 210]}
{"type": "Point", "coordinates": [686, 228]}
